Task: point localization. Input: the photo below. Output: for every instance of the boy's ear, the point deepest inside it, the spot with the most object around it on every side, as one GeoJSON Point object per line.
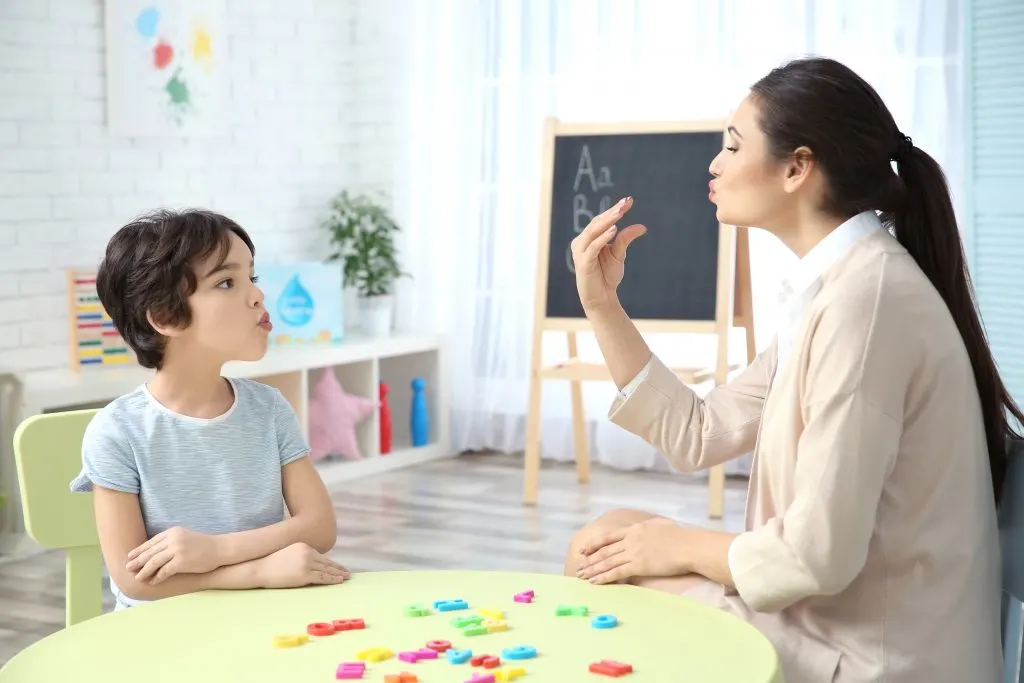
{"type": "Point", "coordinates": [162, 328]}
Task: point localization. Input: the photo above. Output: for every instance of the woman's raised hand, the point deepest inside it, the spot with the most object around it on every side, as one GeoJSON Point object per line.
{"type": "Point", "coordinates": [598, 261]}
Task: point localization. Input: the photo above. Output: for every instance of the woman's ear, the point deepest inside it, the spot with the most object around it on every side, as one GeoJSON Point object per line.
{"type": "Point", "coordinates": [798, 169]}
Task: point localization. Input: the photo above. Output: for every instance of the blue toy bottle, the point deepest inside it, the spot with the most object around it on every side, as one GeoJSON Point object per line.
{"type": "Point", "coordinates": [419, 422]}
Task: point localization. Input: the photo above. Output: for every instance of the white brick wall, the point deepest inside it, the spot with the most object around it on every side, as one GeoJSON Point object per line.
{"type": "Point", "coordinates": [308, 112]}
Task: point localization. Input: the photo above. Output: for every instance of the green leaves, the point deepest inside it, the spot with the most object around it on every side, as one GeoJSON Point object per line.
{"type": "Point", "coordinates": [362, 234]}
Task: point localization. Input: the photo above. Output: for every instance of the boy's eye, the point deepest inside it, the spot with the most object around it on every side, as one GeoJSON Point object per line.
{"type": "Point", "coordinates": [225, 284]}
{"type": "Point", "coordinates": [254, 278]}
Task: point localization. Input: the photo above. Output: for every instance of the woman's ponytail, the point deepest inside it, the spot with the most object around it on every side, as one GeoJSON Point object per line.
{"type": "Point", "coordinates": [926, 226]}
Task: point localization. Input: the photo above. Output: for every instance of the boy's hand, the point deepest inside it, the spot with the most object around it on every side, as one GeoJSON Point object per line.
{"type": "Point", "coordinates": [175, 551]}
{"type": "Point", "coordinates": [298, 565]}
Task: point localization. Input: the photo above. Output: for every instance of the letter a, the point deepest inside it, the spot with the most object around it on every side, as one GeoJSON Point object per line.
{"type": "Point", "coordinates": [586, 166]}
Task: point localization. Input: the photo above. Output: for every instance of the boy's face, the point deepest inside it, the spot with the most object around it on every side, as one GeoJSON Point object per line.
{"type": "Point", "coordinates": [229, 321]}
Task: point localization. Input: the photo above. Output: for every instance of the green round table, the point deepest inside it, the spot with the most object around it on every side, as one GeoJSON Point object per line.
{"type": "Point", "coordinates": [229, 635]}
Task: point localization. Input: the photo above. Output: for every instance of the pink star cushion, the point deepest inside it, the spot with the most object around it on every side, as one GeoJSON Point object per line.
{"type": "Point", "coordinates": [333, 417]}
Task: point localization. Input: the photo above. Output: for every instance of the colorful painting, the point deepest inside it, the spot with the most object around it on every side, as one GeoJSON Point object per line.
{"type": "Point", "coordinates": [165, 65]}
{"type": "Point", "coordinates": [304, 301]}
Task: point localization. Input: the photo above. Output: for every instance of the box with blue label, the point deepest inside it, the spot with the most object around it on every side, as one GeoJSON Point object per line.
{"type": "Point", "coordinates": [304, 301]}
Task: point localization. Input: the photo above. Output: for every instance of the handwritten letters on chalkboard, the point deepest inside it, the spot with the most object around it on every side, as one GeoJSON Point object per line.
{"type": "Point", "coordinates": [593, 196]}
{"type": "Point", "coordinates": [672, 271]}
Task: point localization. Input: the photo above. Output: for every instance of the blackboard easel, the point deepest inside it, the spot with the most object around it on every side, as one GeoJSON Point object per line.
{"type": "Point", "coordinates": [689, 274]}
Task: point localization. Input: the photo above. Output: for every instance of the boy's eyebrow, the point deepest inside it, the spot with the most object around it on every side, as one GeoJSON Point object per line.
{"type": "Point", "coordinates": [227, 265]}
{"type": "Point", "coordinates": [732, 129]}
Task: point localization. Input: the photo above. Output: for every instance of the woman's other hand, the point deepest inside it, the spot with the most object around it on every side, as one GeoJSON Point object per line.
{"type": "Point", "coordinates": [654, 547]}
{"type": "Point", "coordinates": [599, 262]}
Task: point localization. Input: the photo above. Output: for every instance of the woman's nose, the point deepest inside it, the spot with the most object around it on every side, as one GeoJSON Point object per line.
{"type": "Point", "coordinates": [713, 168]}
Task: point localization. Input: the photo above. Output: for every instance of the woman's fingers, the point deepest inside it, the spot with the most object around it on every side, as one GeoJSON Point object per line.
{"type": "Point", "coordinates": [601, 554]}
{"type": "Point", "coordinates": [599, 243]}
{"type": "Point", "coordinates": [606, 538]}
{"type": "Point", "coordinates": [600, 224]}
{"type": "Point", "coordinates": [616, 574]}
{"type": "Point", "coordinates": [626, 235]}
{"type": "Point", "coordinates": [615, 557]}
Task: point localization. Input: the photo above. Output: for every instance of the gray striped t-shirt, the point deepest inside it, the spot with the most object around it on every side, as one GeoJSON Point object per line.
{"type": "Point", "coordinates": [214, 476]}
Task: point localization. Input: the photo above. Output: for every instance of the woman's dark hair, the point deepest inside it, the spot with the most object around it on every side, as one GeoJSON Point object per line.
{"type": "Point", "coordinates": [149, 268]}
{"type": "Point", "coordinates": [821, 104]}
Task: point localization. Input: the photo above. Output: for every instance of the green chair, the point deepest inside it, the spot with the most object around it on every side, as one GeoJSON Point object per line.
{"type": "Point", "coordinates": [48, 455]}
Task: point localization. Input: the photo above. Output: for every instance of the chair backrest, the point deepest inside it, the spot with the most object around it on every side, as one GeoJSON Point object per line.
{"type": "Point", "coordinates": [1011, 542]}
{"type": "Point", "coordinates": [48, 455]}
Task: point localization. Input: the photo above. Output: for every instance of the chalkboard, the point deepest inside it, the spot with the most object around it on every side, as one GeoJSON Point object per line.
{"type": "Point", "coordinates": [672, 271]}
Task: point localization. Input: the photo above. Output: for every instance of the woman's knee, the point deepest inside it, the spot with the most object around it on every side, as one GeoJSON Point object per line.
{"type": "Point", "coordinates": [616, 519]}
{"type": "Point", "coordinates": [677, 585]}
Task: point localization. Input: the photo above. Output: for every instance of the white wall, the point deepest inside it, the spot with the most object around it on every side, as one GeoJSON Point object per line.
{"type": "Point", "coordinates": [308, 112]}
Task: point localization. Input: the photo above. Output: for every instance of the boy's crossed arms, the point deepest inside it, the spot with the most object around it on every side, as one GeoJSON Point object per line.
{"type": "Point", "coordinates": [286, 554]}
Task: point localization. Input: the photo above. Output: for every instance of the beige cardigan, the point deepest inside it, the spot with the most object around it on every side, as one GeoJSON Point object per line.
{"type": "Point", "coordinates": [871, 550]}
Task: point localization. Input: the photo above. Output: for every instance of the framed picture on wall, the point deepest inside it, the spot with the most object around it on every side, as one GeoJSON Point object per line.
{"type": "Point", "coordinates": [166, 61]}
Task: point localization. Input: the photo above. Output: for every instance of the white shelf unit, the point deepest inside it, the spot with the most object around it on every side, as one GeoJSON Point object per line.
{"type": "Point", "coordinates": [359, 363]}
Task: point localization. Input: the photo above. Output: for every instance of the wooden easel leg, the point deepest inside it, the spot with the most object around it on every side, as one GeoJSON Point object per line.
{"type": "Point", "coordinates": [531, 457]}
{"type": "Point", "coordinates": [579, 425]}
{"type": "Point", "coordinates": [716, 477]}
{"type": "Point", "coordinates": [744, 297]}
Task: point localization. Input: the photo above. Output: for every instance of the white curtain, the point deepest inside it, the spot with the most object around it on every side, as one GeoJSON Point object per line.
{"type": "Point", "coordinates": [479, 78]}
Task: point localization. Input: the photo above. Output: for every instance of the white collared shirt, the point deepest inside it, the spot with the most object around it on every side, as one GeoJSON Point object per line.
{"type": "Point", "coordinates": [803, 283]}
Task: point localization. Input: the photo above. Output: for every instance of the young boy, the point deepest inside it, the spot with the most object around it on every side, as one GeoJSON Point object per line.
{"type": "Point", "coordinates": [191, 471]}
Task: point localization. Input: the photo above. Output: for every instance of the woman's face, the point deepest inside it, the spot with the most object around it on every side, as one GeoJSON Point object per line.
{"type": "Point", "coordinates": [749, 186]}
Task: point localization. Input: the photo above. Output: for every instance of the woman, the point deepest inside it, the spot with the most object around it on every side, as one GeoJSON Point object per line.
{"type": "Point", "coordinates": [876, 417]}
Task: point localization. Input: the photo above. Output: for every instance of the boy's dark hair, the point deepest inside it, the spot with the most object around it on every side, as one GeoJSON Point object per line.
{"type": "Point", "coordinates": [148, 268]}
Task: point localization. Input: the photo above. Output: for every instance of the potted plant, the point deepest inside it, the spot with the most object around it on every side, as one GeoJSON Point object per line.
{"type": "Point", "coordinates": [363, 237]}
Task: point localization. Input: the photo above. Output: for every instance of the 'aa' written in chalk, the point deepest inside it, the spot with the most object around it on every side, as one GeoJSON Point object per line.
{"type": "Point", "coordinates": [595, 185]}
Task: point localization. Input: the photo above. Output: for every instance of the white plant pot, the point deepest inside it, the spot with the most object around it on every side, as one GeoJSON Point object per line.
{"type": "Point", "coordinates": [375, 314]}
{"type": "Point", "coordinates": [350, 309]}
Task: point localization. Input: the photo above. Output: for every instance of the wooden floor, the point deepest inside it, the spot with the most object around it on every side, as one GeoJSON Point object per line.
{"type": "Point", "coordinates": [462, 513]}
